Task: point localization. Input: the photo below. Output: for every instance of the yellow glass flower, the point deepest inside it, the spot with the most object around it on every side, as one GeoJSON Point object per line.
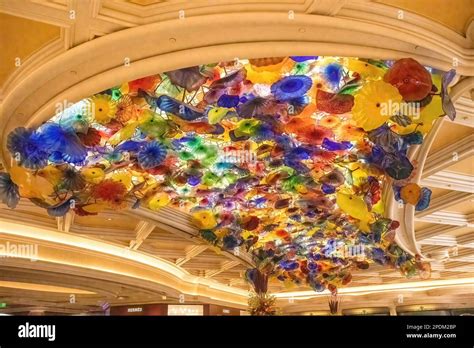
{"type": "Point", "coordinates": [103, 108]}
{"type": "Point", "coordinates": [204, 219]}
{"type": "Point", "coordinates": [31, 185]}
{"type": "Point", "coordinates": [93, 175]}
{"type": "Point", "coordinates": [268, 77]}
{"type": "Point", "coordinates": [52, 174]}
{"type": "Point", "coordinates": [124, 134]}
{"type": "Point", "coordinates": [374, 103]}
{"type": "Point", "coordinates": [159, 201]}
{"type": "Point", "coordinates": [402, 130]}
{"type": "Point", "coordinates": [268, 74]}
{"type": "Point", "coordinates": [123, 177]}
{"type": "Point", "coordinates": [356, 207]}
{"type": "Point", "coordinates": [364, 69]}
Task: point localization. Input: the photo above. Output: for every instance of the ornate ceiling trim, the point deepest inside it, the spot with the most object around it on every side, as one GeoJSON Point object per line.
{"type": "Point", "coordinates": [59, 250]}
{"type": "Point", "coordinates": [89, 67]}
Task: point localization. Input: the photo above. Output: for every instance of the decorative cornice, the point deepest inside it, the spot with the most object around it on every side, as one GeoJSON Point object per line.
{"type": "Point", "coordinates": [449, 155]}
{"type": "Point", "coordinates": [447, 200]}
{"type": "Point", "coordinates": [63, 249]}
{"type": "Point", "coordinates": [451, 181]}
{"type": "Point", "coordinates": [447, 218]}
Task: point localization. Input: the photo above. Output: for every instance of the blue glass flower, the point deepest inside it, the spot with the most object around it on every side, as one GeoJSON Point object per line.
{"type": "Point", "coordinates": [328, 189]}
{"type": "Point", "coordinates": [177, 108]}
{"type": "Point", "coordinates": [424, 200]}
{"type": "Point", "coordinates": [9, 193]}
{"type": "Point", "coordinates": [448, 106]}
{"type": "Point", "coordinates": [300, 59]}
{"type": "Point", "coordinates": [316, 285]}
{"type": "Point", "coordinates": [194, 180]}
{"type": "Point", "coordinates": [228, 101]}
{"type": "Point", "coordinates": [415, 138]}
{"type": "Point", "coordinates": [291, 87]}
{"type": "Point", "coordinates": [397, 166]}
{"type": "Point", "coordinates": [289, 265]}
{"type": "Point", "coordinates": [230, 242]}
{"type": "Point", "coordinates": [333, 74]}
{"type": "Point", "coordinates": [61, 209]}
{"type": "Point", "coordinates": [297, 105]}
{"type": "Point", "coordinates": [130, 146]}
{"type": "Point", "coordinates": [378, 255]}
{"type": "Point", "coordinates": [151, 155]}
{"type": "Point", "coordinates": [335, 146]}
{"type": "Point", "coordinates": [26, 146]}
{"type": "Point", "coordinates": [57, 139]}
{"type": "Point", "coordinates": [299, 153]}
{"type": "Point", "coordinates": [396, 193]}
{"type": "Point", "coordinates": [386, 139]}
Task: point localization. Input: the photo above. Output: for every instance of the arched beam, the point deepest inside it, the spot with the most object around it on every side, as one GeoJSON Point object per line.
{"type": "Point", "coordinates": [406, 214]}
{"type": "Point", "coordinates": [60, 252]}
{"type": "Point", "coordinates": [90, 68]}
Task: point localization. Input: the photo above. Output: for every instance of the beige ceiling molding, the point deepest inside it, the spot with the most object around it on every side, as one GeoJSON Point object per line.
{"type": "Point", "coordinates": [373, 289]}
{"type": "Point", "coordinates": [465, 110]}
{"type": "Point", "coordinates": [443, 292]}
{"type": "Point", "coordinates": [59, 250]}
{"type": "Point", "coordinates": [42, 288]}
{"type": "Point", "coordinates": [62, 253]}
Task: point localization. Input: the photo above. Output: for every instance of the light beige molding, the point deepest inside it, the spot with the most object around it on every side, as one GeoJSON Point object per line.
{"type": "Point", "coordinates": [59, 250]}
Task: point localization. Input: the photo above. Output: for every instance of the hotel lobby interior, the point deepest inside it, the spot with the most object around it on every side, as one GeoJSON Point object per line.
{"type": "Point", "coordinates": [224, 158]}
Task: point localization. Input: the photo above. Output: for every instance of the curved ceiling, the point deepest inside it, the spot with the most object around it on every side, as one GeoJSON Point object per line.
{"type": "Point", "coordinates": [445, 232]}
{"type": "Point", "coordinates": [456, 17]}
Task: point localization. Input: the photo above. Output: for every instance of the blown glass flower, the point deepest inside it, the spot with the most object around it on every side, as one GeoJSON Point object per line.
{"type": "Point", "coordinates": [109, 191]}
{"type": "Point", "coordinates": [9, 193]}
{"type": "Point", "coordinates": [102, 108]}
{"type": "Point", "coordinates": [410, 193]}
{"type": "Point", "coordinates": [204, 219]}
{"type": "Point", "coordinates": [285, 157]}
{"type": "Point", "coordinates": [151, 155]}
{"type": "Point", "coordinates": [291, 87]}
{"type": "Point", "coordinates": [372, 104]}
{"type": "Point", "coordinates": [27, 148]}
{"type": "Point", "coordinates": [411, 79]}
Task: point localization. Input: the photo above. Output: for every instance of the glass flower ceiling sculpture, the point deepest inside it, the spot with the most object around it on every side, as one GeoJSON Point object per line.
{"type": "Point", "coordinates": [285, 157]}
